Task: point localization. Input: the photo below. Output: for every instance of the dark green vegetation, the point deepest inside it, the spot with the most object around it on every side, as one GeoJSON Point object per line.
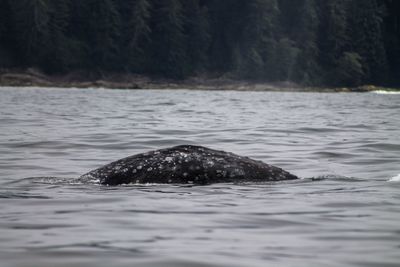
{"type": "Point", "coordinates": [310, 42]}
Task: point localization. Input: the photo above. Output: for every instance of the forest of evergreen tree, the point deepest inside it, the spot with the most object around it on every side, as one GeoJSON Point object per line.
{"type": "Point", "coordinates": [310, 42]}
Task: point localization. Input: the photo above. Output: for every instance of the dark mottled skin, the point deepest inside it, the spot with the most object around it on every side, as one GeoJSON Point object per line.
{"type": "Point", "coordinates": [186, 165]}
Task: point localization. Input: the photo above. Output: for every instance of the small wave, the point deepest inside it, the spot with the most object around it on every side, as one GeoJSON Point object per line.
{"type": "Point", "coordinates": [21, 195]}
{"type": "Point", "coordinates": [395, 179]}
{"type": "Point", "coordinates": [43, 180]}
{"type": "Point", "coordinates": [384, 92]}
{"type": "Point", "coordinates": [335, 177]}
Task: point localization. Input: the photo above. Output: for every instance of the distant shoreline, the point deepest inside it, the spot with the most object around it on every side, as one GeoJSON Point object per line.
{"type": "Point", "coordinates": [34, 78]}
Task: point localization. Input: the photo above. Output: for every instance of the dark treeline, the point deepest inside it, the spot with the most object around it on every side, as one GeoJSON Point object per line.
{"type": "Point", "coordinates": [313, 42]}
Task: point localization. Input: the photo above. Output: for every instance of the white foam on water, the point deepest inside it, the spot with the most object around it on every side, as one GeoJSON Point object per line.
{"type": "Point", "coordinates": [384, 92]}
{"type": "Point", "coordinates": [395, 179]}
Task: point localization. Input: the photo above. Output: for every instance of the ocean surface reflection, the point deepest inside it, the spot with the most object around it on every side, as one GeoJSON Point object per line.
{"type": "Point", "coordinates": [344, 212]}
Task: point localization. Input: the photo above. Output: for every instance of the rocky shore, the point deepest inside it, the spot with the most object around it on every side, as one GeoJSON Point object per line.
{"type": "Point", "coordinates": [32, 77]}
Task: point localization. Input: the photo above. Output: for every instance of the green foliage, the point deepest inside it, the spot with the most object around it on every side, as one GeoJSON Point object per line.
{"type": "Point", "coordinates": [349, 70]}
{"type": "Point", "coordinates": [318, 42]}
{"type": "Point", "coordinates": [101, 32]}
{"type": "Point", "coordinates": [137, 35]}
{"type": "Point", "coordinates": [2, 19]}
{"type": "Point", "coordinates": [197, 30]}
{"type": "Point", "coordinates": [169, 39]}
{"type": "Point", "coordinates": [392, 39]}
{"type": "Point", "coordinates": [366, 36]}
{"type": "Point", "coordinates": [333, 35]}
{"type": "Point", "coordinates": [257, 42]}
{"type": "Point", "coordinates": [57, 57]}
{"type": "Point", "coordinates": [306, 70]}
{"type": "Point", "coordinates": [226, 19]}
{"type": "Point", "coordinates": [31, 18]}
{"type": "Point", "coordinates": [283, 62]}
{"type": "Point", "coordinates": [7, 42]}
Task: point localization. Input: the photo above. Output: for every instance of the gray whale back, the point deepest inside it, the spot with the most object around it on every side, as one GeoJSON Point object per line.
{"type": "Point", "coordinates": [186, 164]}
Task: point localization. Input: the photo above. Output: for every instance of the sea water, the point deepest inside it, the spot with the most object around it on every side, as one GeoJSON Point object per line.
{"type": "Point", "coordinates": [345, 211]}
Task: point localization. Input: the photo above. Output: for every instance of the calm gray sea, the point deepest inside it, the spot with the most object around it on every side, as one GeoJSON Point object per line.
{"type": "Point", "coordinates": [345, 212]}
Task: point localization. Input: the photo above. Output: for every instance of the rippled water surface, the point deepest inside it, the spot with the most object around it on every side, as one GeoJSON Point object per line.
{"type": "Point", "coordinates": [345, 212]}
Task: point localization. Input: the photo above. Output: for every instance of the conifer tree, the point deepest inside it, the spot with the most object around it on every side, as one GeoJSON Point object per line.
{"type": "Point", "coordinates": [197, 30]}
{"type": "Point", "coordinates": [349, 70]}
{"type": "Point", "coordinates": [257, 40]}
{"type": "Point", "coordinates": [169, 40]}
{"type": "Point", "coordinates": [2, 19]}
{"type": "Point", "coordinates": [392, 39]}
{"type": "Point", "coordinates": [7, 38]}
{"type": "Point", "coordinates": [103, 30]}
{"type": "Point", "coordinates": [333, 38]}
{"type": "Point", "coordinates": [328, 42]}
{"type": "Point", "coordinates": [58, 55]}
{"type": "Point", "coordinates": [283, 60]}
{"type": "Point", "coordinates": [367, 38]}
{"type": "Point", "coordinates": [226, 20]}
{"type": "Point", "coordinates": [31, 19]}
{"type": "Point", "coordinates": [137, 35]}
{"type": "Point", "coordinates": [306, 68]}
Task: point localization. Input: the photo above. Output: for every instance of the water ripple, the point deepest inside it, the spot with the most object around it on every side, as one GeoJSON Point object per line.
{"type": "Point", "coordinates": [345, 146]}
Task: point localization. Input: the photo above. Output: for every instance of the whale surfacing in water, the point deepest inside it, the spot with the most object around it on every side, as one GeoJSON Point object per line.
{"type": "Point", "coordinates": [186, 164]}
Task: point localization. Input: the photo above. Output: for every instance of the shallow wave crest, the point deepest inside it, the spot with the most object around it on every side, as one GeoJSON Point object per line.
{"type": "Point", "coordinates": [395, 179]}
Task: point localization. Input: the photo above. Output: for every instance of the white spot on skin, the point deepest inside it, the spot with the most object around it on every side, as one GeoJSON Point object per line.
{"type": "Point", "coordinates": [210, 163]}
